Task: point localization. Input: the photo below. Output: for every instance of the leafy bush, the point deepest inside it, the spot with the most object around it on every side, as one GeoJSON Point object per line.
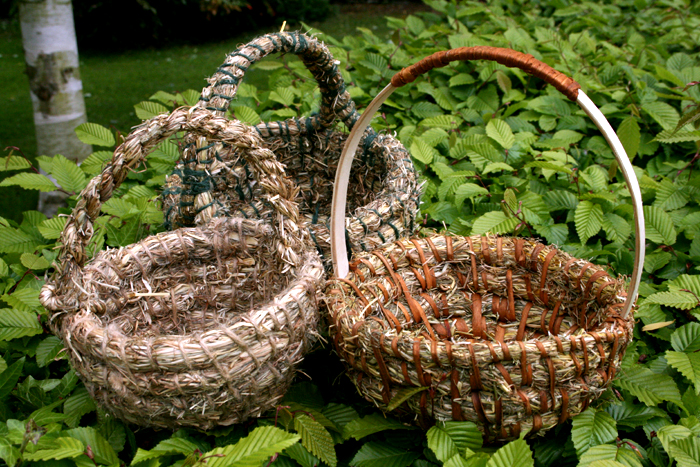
{"type": "Point", "coordinates": [500, 152]}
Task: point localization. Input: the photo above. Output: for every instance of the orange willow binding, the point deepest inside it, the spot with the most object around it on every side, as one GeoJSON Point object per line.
{"type": "Point", "coordinates": [509, 333]}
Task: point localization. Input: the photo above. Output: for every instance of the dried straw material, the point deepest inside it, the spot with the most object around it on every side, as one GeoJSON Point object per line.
{"type": "Point", "coordinates": [509, 333]}
{"type": "Point", "coordinates": [213, 181]}
{"type": "Point", "coordinates": [199, 326]}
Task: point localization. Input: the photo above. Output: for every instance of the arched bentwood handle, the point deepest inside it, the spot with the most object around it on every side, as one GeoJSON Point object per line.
{"type": "Point", "coordinates": [528, 63]}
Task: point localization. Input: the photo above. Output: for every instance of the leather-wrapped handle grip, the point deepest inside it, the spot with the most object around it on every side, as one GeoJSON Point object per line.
{"type": "Point", "coordinates": [507, 57]}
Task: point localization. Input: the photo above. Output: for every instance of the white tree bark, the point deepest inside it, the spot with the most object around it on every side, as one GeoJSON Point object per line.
{"type": "Point", "coordinates": [51, 55]}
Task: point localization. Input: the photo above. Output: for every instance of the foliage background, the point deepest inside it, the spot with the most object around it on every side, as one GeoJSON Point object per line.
{"type": "Point", "coordinates": [500, 152]}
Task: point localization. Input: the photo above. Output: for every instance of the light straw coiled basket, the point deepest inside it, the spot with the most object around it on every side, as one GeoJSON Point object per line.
{"type": "Point", "coordinates": [508, 333]}
{"type": "Point", "coordinates": [214, 181]}
{"type": "Point", "coordinates": [199, 326]}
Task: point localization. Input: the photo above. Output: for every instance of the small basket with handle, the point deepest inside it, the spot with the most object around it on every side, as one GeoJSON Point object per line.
{"type": "Point", "coordinates": [199, 326]}
{"type": "Point", "coordinates": [509, 333]}
{"type": "Point", "coordinates": [213, 181]}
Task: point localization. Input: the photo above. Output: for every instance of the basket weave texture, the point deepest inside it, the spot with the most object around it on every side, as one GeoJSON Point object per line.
{"type": "Point", "coordinates": [508, 333]}
{"type": "Point", "coordinates": [213, 181]}
{"type": "Point", "coordinates": [199, 326]}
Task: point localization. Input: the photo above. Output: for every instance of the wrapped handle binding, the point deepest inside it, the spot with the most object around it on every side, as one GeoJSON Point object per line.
{"type": "Point", "coordinates": [511, 58]}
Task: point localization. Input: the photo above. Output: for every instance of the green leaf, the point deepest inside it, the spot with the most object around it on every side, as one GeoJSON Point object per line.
{"type": "Point", "coordinates": [494, 222]}
{"type": "Point", "coordinates": [68, 174]}
{"type": "Point", "coordinates": [374, 454]}
{"type": "Point", "coordinates": [34, 262]}
{"type": "Point", "coordinates": [373, 423]}
{"type": "Point", "coordinates": [13, 163]}
{"type": "Point", "coordinates": [656, 260]}
{"type": "Point", "coordinates": [9, 377]}
{"type": "Point", "coordinates": [663, 113]}
{"type": "Point", "coordinates": [340, 414]}
{"type": "Point", "coordinates": [588, 220]}
{"type": "Point", "coordinates": [496, 167]}
{"type": "Point", "coordinates": [26, 299]}
{"type": "Point", "coordinates": [659, 226]}
{"type": "Point", "coordinates": [9, 453]}
{"type": "Point", "coordinates": [686, 451]}
{"type": "Point", "coordinates": [92, 133]}
{"type": "Point", "coordinates": [15, 324]}
{"type": "Point", "coordinates": [629, 135]}
{"type": "Point", "coordinates": [448, 439]}
{"type": "Point", "coordinates": [422, 151]}
{"type": "Point", "coordinates": [166, 447]}
{"type": "Point", "coordinates": [686, 338]}
{"type": "Point", "coordinates": [77, 405]}
{"type": "Point", "coordinates": [651, 388]}
{"type": "Point", "coordinates": [556, 166]}
{"type": "Point", "coordinates": [500, 132]}
{"type": "Point", "coordinates": [675, 299]}
{"type": "Point", "coordinates": [251, 451]}
{"type": "Point", "coordinates": [47, 350]}
{"type": "Point", "coordinates": [61, 448]}
{"type": "Point", "coordinates": [301, 455]}
{"type": "Point", "coordinates": [316, 439]}
{"type": "Point", "coordinates": [446, 122]}
{"type": "Point", "coordinates": [402, 395]}
{"type": "Point", "coordinates": [672, 136]}
{"type": "Point", "coordinates": [30, 181]}
{"type": "Point", "coordinates": [514, 454]}
{"type": "Point", "coordinates": [591, 428]}
{"type": "Point", "coordinates": [468, 190]}
{"type": "Point", "coordinates": [554, 234]}
{"type": "Point", "coordinates": [246, 115]}
{"type": "Point", "coordinates": [146, 110]}
{"type": "Point", "coordinates": [51, 229]}
{"type": "Point", "coordinates": [688, 364]}
{"type": "Point", "coordinates": [284, 96]}
{"type": "Point", "coordinates": [616, 228]}
{"type": "Point", "coordinates": [103, 452]}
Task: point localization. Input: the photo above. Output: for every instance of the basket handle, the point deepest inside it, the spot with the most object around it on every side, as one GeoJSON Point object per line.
{"type": "Point", "coordinates": [335, 99]}
{"type": "Point", "coordinates": [511, 58]}
{"type": "Point", "coordinates": [278, 190]}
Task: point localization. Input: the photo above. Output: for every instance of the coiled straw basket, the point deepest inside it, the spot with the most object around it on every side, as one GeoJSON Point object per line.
{"type": "Point", "coordinates": [213, 181]}
{"type": "Point", "coordinates": [200, 326]}
{"type": "Point", "coordinates": [509, 333]}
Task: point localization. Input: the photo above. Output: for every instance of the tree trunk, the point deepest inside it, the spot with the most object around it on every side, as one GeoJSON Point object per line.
{"type": "Point", "coordinates": [51, 55]}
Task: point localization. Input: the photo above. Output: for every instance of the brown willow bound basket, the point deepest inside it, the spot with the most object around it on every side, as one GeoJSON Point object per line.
{"type": "Point", "coordinates": [509, 333]}
{"type": "Point", "coordinates": [213, 181]}
{"type": "Point", "coordinates": [198, 326]}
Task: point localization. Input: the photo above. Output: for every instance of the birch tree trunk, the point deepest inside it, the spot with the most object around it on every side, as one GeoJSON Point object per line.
{"type": "Point", "coordinates": [51, 55]}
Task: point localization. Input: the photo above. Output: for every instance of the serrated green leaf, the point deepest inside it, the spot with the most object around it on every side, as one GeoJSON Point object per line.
{"type": "Point", "coordinates": [34, 262]}
{"type": "Point", "coordinates": [251, 451]}
{"type": "Point", "coordinates": [60, 448]}
{"type": "Point", "coordinates": [500, 132]}
{"type": "Point", "coordinates": [630, 136]}
{"type": "Point", "coordinates": [302, 456]}
{"type": "Point", "coordinates": [688, 364]}
{"type": "Point", "coordinates": [316, 439]}
{"type": "Point", "coordinates": [284, 96]}
{"type": "Point", "coordinates": [68, 174]}
{"type": "Point", "coordinates": [651, 388]}
{"type": "Point", "coordinates": [26, 299]}
{"type": "Point", "coordinates": [514, 454]}
{"type": "Point", "coordinates": [47, 350]}
{"type": "Point", "coordinates": [592, 428]}
{"type": "Point", "coordinates": [96, 161]}
{"type": "Point", "coordinates": [374, 454]}
{"type": "Point", "coordinates": [422, 151]}
{"type": "Point", "coordinates": [30, 181]}
{"type": "Point", "coordinates": [676, 299]}
{"type": "Point", "coordinates": [496, 167]}
{"type": "Point", "coordinates": [449, 439]}
{"type": "Point", "coordinates": [146, 110]}
{"type": "Point", "coordinates": [16, 323]}
{"type": "Point", "coordinates": [51, 228]}
{"type": "Point", "coordinates": [103, 452]}
{"type": "Point", "coordinates": [373, 423]}
{"type": "Point", "coordinates": [246, 115]}
{"type": "Point", "coordinates": [92, 133]}
{"type": "Point", "coordinates": [663, 113]}
{"type": "Point", "coordinates": [556, 166]}
{"type": "Point", "coordinates": [13, 163]}
{"type": "Point", "coordinates": [166, 447]}
{"type": "Point", "coordinates": [686, 338]}
{"type": "Point", "coordinates": [77, 405]}
{"type": "Point", "coordinates": [616, 228]}
{"type": "Point", "coordinates": [468, 190]}
{"type": "Point", "coordinates": [554, 234]}
{"type": "Point", "coordinates": [588, 219]}
{"type": "Point", "coordinates": [659, 226]}
{"type": "Point", "coordinates": [9, 377]}
{"type": "Point", "coordinates": [402, 395]}
{"type": "Point", "coordinates": [656, 260]}
{"type": "Point", "coordinates": [494, 222]}
{"type": "Point", "coordinates": [340, 414]}
{"type": "Point", "coordinates": [686, 451]}
{"type": "Point", "coordinates": [672, 136]}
